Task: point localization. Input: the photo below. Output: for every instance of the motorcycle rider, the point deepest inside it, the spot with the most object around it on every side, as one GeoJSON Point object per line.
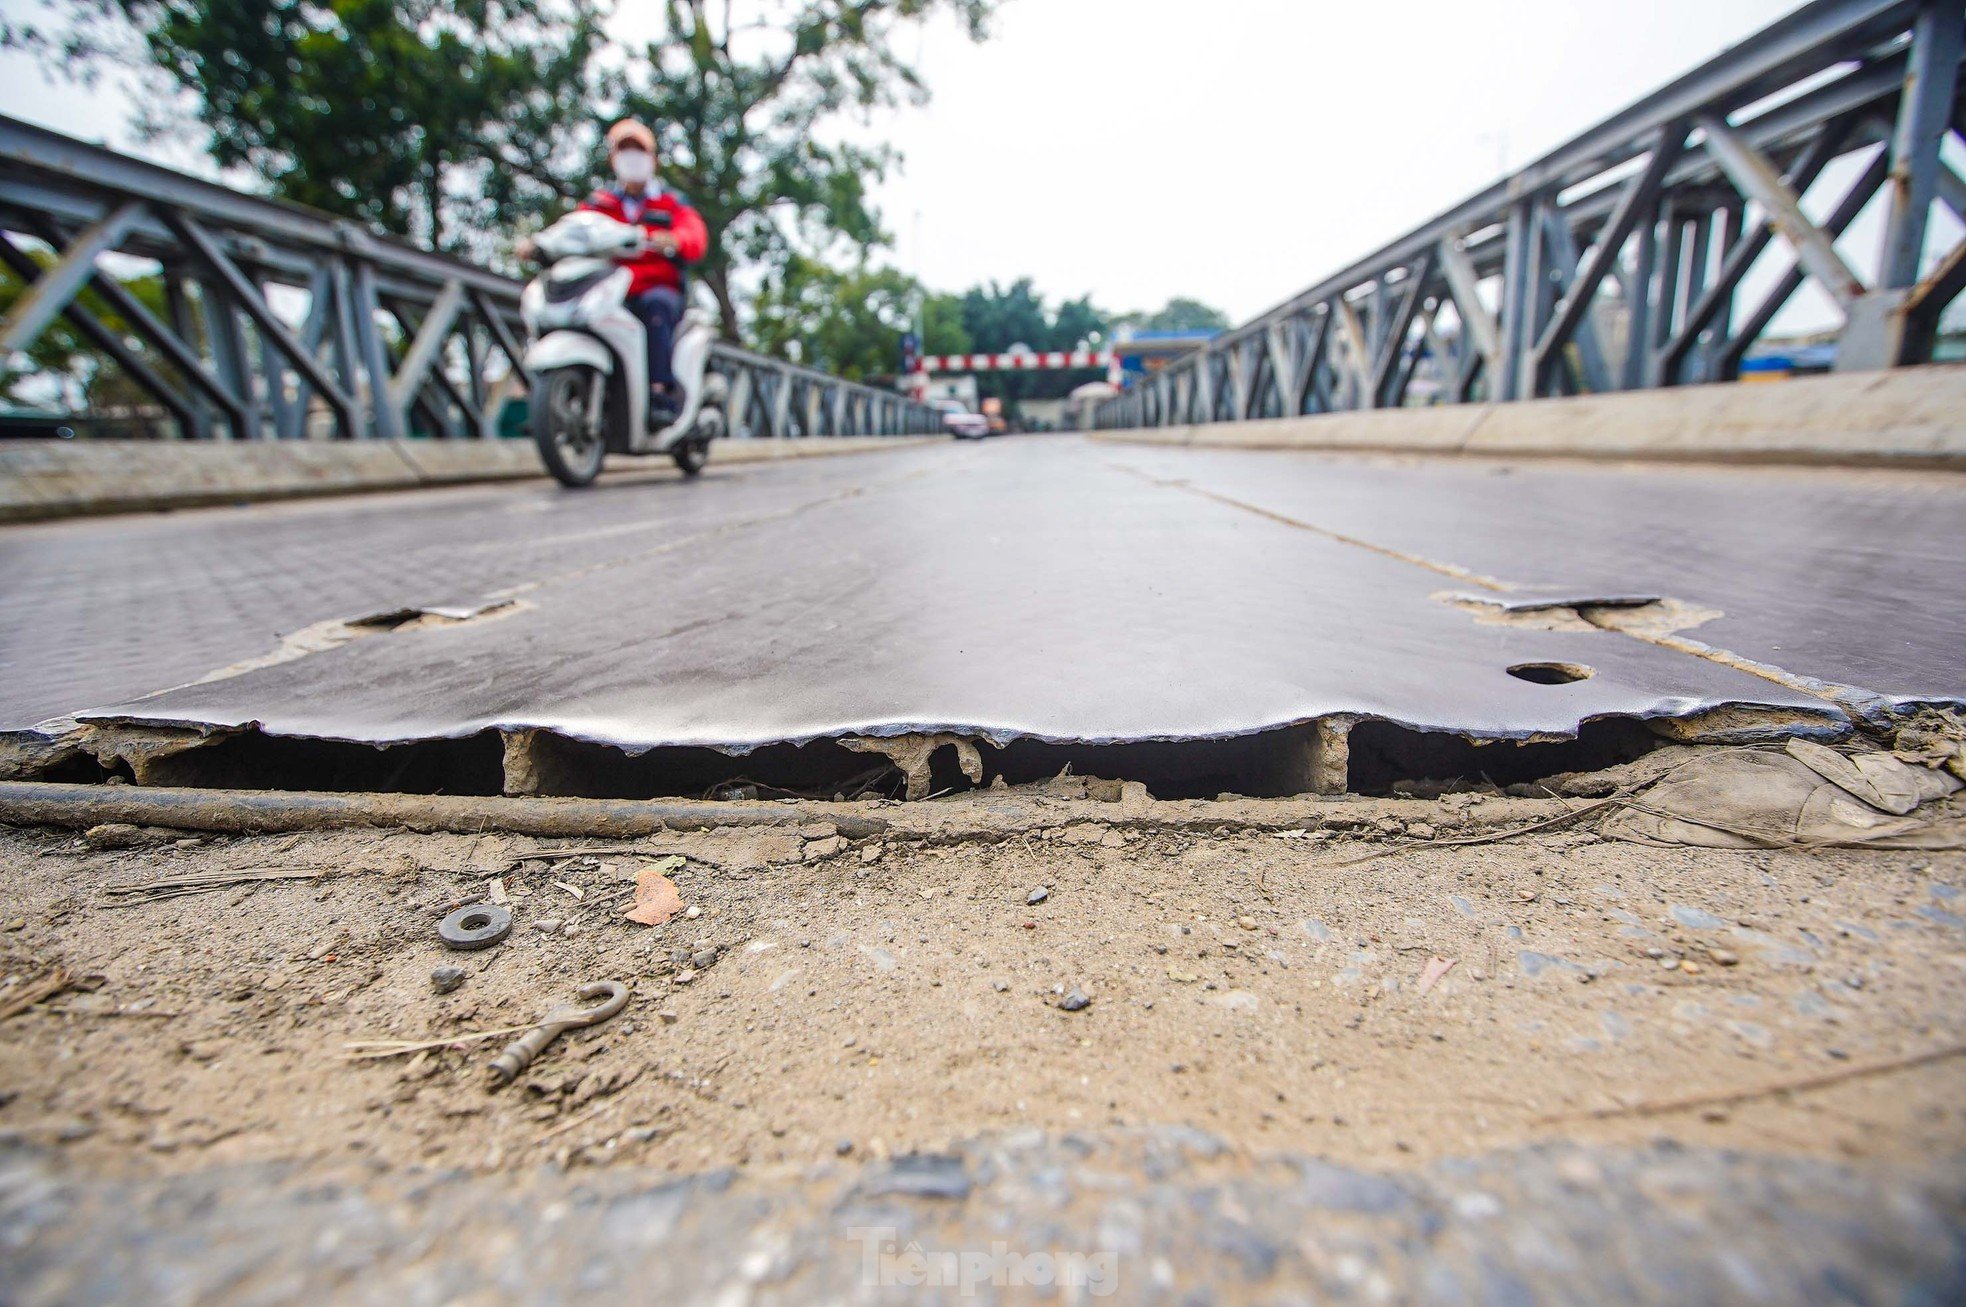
{"type": "Point", "coordinates": [655, 293]}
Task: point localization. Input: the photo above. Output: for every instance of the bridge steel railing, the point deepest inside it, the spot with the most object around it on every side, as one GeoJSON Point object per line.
{"type": "Point", "coordinates": [1617, 261]}
{"type": "Point", "coordinates": [280, 322]}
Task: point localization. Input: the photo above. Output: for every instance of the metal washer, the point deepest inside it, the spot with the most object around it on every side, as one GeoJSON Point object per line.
{"type": "Point", "coordinates": [475, 926]}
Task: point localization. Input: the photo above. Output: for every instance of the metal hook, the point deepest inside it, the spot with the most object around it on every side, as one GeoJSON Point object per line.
{"type": "Point", "coordinates": [518, 1055]}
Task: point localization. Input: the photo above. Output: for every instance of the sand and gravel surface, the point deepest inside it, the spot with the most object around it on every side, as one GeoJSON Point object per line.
{"type": "Point", "coordinates": [1552, 1067]}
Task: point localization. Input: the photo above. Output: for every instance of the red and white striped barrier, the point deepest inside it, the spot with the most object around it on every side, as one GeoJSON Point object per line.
{"type": "Point", "coordinates": [1021, 362]}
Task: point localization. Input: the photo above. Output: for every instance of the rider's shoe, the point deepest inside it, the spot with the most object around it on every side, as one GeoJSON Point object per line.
{"type": "Point", "coordinates": [664, 405]}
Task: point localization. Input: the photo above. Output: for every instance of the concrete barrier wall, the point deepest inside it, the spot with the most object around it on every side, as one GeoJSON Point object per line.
{"type": "Point", "coordinates": [48, 479]}
{"type": "Point", "coordinates": [1913, 416]}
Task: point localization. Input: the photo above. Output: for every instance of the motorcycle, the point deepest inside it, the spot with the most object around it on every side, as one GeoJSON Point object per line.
{"type": "Point", "coordinates": [588, 359]}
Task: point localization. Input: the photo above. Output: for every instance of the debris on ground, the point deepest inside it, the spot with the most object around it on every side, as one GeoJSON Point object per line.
{"type": "Point", "coordinates": [116, 835]}
{"type": "Point", "coordinates": [1936, 738]}
{"type": "Point", "coordinates": [169, 887]}
{"type": "Point", "coordinates": [657, 900]}
{"type": "Point", "coordinates": [475, 926]}
{"type": "Point", "coordinates": [1431, 974]}
{"type": "Point", "coordinates": [33, 992]}
{"type": "Point", "coordinates": [611, 996]}
{"type": "Point", "coordinates": [1804, 795]}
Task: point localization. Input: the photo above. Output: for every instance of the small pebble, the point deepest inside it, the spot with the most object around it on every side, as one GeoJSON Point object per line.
{"type": "Point", "coordinates": [1037, 896]}
{"type": "Point", "coordinates": [692, 912]}
{"type": "Point", "coordinates": [1526, 895]}
{"type": "Point", "coordinates": [1723, 958]}
{"type": "Point", "coordinates": [1247, 923]}
{"type": "Point", "coordinates": [446, 979]}
{"type": "Point", "coordinates": [843, 1147]}
{"type": "Point", "coordinates": [668, 1016]}
{"type": "Point", "coordinates": [1075, 1000]}
{"type": "Point", "coordinates": [547, 925]}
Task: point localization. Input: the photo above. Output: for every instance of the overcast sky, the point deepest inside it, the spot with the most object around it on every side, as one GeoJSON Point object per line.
{"type": "Point", "coordinates": [1231, 150]}
{"type": "Point", "coordinates": [1240, 150]}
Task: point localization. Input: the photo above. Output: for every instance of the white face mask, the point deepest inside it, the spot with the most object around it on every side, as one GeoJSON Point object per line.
{"type": "Point", "coordinates": [633, 167]}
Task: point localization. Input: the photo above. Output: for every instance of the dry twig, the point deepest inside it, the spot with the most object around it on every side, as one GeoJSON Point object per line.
{"type": "Point", "coordinates": [35, 991]}
{"type": "Point", "coordinates": [204, 882]}
{"type": "Point", "coordinates": [1797, 1084]}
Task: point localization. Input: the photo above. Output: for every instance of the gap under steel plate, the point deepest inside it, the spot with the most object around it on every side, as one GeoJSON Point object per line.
{"type": "Point", "coordinates": [1036, 586]}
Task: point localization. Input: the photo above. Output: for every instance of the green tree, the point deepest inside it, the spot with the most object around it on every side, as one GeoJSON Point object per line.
{"type": "Point", "coordinates": [849, 323]}
{"type": "Point", "coordinates": [1178, 314]}
{"type": "Point", "coordinates": [997, 317]}
{"type": "Point", "coordinates": [740, 104]}
{"type": "Point", "coordinates": [942, 325]}
{"type": "Point", "coordinates": [441, 120]}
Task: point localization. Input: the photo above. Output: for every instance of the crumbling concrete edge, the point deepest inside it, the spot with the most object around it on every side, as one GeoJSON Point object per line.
{"type": "Point", "coordinates": [1903, 417]}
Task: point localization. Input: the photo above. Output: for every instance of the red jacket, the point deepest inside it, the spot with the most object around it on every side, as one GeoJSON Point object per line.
{"type": "Point", "coordinates": [685, 224]}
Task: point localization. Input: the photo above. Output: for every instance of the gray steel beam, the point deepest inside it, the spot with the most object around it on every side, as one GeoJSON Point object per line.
{"type": "Point", "coordinates": [105, 340]}
{"type": "Point", "coordinates": [1742, 254]}
{"type": "Point", "coordinates": [176, 344]}
{"type": "Point", "coordinates": [55, 288]}
{"type": "Point", "coordinates": [1849, 64]}
{"type": "Point", "coordinates": [424, 349]}
{"type": "Point", "coordinates": [1583, 333]}
{"type": "Point", "coordinates": [1760, 182]}
{"type": "Point", "coordinates": [1476, 321]}
{"type": "Point", "coordinates": [1638, 199]}
{"type": "Point", "coordinates": [1924, 113]}
{"type": "Point", "coordinates": [1839, 218]}
{"type": "Point", "coordinates": [248, 298]}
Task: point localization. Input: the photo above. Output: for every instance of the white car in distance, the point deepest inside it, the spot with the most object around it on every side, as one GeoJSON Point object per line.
{"type": "Point", "coordinates": [959, 421]}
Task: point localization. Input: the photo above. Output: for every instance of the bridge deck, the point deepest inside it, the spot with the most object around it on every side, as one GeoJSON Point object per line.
{"type": "Point", "coordinates": [1036, 587]}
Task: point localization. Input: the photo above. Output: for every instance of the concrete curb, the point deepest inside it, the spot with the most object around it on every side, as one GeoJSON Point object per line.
{"type": "Point", "coordinates": [1906, 416]}
{"type": "Point", "coordinates": [40, 480]}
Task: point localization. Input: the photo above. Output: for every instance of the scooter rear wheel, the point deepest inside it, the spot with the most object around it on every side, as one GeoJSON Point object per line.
{"type": "Point", "coordinates": [571, 451]}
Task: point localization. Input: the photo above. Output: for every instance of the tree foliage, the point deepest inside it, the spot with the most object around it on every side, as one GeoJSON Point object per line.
{"type": "Point", "coordinates": [740, 103]}
{"type": "Point", "coordinates": [439, 120]}
{"type": "Point", "coordinates": [846, 322]}
{"type": "Point", "coordinates": [942, 326]}
{"type": "Point", "coordinates": [1178, 314]}
{"type": "Point", "coordinates": [997, 317]}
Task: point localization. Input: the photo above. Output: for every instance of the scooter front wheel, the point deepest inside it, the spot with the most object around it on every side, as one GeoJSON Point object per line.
{"type": "Point", "coordinates": [691, 455]}
{"type": "Point", "coordinates": [571, 447]}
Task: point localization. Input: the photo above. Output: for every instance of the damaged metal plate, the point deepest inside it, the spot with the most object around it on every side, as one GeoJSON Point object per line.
{"type": "Point", "coordinates": [1842, 579]}
{"type": "Point", "coordinates": [1036, 588]}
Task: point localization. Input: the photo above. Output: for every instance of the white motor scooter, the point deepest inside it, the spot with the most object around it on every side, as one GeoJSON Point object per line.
{"type": "Point", "coordinates": [588, 361]}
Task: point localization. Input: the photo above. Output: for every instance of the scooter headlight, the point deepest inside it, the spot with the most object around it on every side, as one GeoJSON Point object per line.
{"type": "Point", "coordinates": [610, 294]}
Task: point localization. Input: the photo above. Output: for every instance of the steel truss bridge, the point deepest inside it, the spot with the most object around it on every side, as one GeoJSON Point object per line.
{"type": "Point", "coordinates": [1617, 261]}
{"type": "Point", "coordinates": [378, 339]}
